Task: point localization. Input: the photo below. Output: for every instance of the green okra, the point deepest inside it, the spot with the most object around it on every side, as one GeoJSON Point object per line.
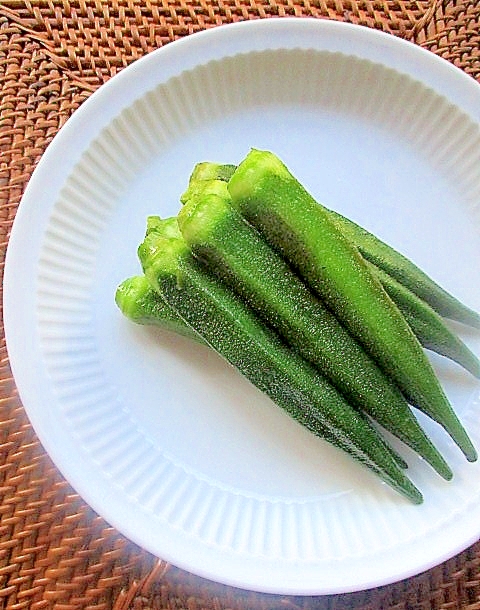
{"type": "Point", "coordinates": [142, 304]}
{"type": "Point", "coordinates": [302, 230]}
{"type": "Point", "coordinates": [234, 251]}
{"type": "Point", "coordinates": [228, 326]}
{"type": "Point", "coordinates": [207, 170]}
{"type": "Point", "coordinates": [383, 256]}
{"type": "Point", "coordinates": [427, 324]}
{"type": "Point", "coordinates": [406, 272]}
{"type": "Point", "coordinates": [138, 302]}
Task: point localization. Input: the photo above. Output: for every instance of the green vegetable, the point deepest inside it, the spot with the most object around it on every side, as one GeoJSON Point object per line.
{"type": "Point", "coordinates": [240, 257]}
{"type": "Point", "coordinates": [168, 226]}
{"type": "Point", "coordinates": [383, 256]}
{"type": "Point", "coordinates": [229, 326]}
{"type": "Point", "coordinates": [406, 272]}
{"type": "Point", "coordinates": [138, 302]}
{"type": "Point", "coordinates": [141, 304]}
{"type": "Point", "coordinates": [271, 199]}
{"type": "Point", "coordinates": [204, 171]}
{"type": "Point", "coordinates": [427, 324]}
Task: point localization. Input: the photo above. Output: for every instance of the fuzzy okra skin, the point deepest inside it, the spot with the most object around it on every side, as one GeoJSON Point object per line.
{"type": "Point", "coordinates": [240, 257]}
{"type": "Point", "coordinates": [427, 324]}
{"type": "Point", "coordinates": [140, 303]}
{"type": "Point", "coordinates": [228, 326]}
{"type": "Point", "coordinates": [300, 228]}
{"type": "Point", "coordinates": [406, 272]}
{"type": "Point", "coordinates": [374, 250]}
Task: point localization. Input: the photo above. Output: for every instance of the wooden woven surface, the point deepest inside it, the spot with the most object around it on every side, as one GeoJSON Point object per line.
{"type": "Point", "coordinates": [54, 551]}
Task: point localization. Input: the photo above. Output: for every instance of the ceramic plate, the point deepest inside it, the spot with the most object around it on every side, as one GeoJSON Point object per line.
{"type": "Point", "coordinates": [158, 435]}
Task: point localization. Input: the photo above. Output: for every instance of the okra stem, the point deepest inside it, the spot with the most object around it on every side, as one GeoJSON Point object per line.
{"type": "Point", "coordinates": [138, 302]}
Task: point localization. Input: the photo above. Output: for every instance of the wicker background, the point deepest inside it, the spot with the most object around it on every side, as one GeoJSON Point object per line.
{"type": "Point", "coordinates": [54, 551]}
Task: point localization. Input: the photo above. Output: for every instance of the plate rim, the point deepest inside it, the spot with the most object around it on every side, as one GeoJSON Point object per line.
{"type": "Point", "coordinates": [409, 53]}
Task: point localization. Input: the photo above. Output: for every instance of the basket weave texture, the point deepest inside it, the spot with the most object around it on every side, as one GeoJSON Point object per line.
{"type": "Point", "coordinates": [55, 552]}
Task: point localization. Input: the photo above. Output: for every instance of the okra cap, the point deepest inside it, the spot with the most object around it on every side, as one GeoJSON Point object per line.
{"type": "Point", "coordinates": [204, 211]}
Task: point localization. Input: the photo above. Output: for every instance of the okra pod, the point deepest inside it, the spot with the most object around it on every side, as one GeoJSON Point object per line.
{"type": "Point", "coordinates": [406, 272]}
{"type": "Point", "coordinates": [429, 327]}
{"type": "Point", "coordinates": [141, 304]}
{"type": "Point", "coordinates": [230, 327]}
{"type": "Point", "coordinates": [427, 324]}
{"type": "Point", "coordinates": [383, 256]}
{"type": "Point", "coordinates": [235, 251]}
{"type": "Point", "coordinates": [302, 230]}
{"type": "Point", "coordinates": [138, 302]}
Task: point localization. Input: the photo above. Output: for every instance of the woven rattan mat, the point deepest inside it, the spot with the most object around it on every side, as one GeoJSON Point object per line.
{"type": "Point", "coordinates": [54, 551]}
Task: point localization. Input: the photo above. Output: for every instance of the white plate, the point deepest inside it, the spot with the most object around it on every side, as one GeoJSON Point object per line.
{"type": "Point", "coordinates": [167, 443]}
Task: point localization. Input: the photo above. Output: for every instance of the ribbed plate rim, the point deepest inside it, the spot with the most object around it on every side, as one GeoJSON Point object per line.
{"type": "Point", "coordinates": [466, 93]}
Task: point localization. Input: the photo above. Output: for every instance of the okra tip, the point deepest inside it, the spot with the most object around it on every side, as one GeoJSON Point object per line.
{"type": "Point", "coordinates": [471, 454]}
{"type": "Point", "coordinates": [463, 441]}
{"type": "Point", "coordinates": [409, 490]}
{"type": "Point", "coordinates": [416, 496]}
